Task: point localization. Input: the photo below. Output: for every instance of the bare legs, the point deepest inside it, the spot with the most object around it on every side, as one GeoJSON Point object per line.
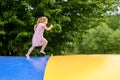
{"type": "Point", "coordinates": [43, 47]}
{"type": "Point", "coordinates": [29, 51]}
{"type": "Point", "coordinates": [33, 47]}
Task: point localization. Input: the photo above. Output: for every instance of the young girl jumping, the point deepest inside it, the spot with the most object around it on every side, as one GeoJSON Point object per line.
{"type": "Point", "coordinates": [38, 39]}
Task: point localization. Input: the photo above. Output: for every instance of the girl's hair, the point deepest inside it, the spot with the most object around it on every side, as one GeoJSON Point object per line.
{"type": "Point", "coordinates": [40, 20]}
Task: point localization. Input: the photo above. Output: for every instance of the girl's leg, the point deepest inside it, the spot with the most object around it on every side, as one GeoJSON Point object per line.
{"type": "Point", "coordinates": [29, 52]}
{"type": "Point", "coordinates": [43, 47]}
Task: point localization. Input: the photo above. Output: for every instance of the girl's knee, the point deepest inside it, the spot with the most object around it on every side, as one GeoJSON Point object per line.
{"type": "Point", "coordinates": [46, 42]}
{"type": "Point", "coordinates": [33, 47]}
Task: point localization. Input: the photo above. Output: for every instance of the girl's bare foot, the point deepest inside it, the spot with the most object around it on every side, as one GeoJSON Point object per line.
{"type": "Point", "coordinates": [42, 52]}
{"type": "Point", "coordinates": [28, 57]}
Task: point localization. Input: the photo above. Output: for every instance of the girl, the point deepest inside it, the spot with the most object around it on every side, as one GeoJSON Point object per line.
{"type": "Point", "coordinates": [38, 39]}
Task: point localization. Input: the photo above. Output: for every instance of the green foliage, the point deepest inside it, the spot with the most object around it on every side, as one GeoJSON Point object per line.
{"type": "Point", "coordinates": [2, 33]}
{"type": "Point", "coordinates": [22, 35]}
{"type": "Point", "coordinates": [0, 44]}
{"type": "Point", "coordinates": [70, 18]}
{"type": "Point", "coordinates": [114, 42]}
{"type": "Point", "coordinates": [56, 28]}
{"type": "Point", "coordinates": [96, 39]}
{"type": "Point", "coordinates": [114, 22]}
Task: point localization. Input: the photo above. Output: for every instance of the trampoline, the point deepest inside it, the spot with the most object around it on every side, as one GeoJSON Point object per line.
{"type": "Point", "coordinates": [21, 68]}
{"type": "Point", "coordinates": [70, 67]}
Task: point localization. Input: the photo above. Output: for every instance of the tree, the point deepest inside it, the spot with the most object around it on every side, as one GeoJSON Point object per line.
{"type": "Point", "coordinates": [15, 16]}
{"type": "Point", "coordinates": [71, 18]}
{"type": "Point", "coordinates": [84, 15]}
{"type": "Point", "coordinates": [96, 40]}
{"type": "Point", "coordinates": [114, 42]}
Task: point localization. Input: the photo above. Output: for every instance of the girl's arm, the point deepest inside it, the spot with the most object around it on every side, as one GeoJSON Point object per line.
{"type": "Point", "coordinates": [35, 27]}
{"type": "Point", "coordinates": [48, 28]}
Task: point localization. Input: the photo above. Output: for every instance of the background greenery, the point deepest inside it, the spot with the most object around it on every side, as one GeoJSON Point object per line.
{"type": "Point", "coordinates": [80, 26]}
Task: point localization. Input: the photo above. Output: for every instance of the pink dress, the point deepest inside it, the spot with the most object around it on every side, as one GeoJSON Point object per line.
{"type": "Point", "coordinates": [38, 39]}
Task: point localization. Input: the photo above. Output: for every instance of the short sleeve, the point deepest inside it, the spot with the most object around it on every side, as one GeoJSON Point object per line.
{"type": "Point", "coordinates": [42, 25]}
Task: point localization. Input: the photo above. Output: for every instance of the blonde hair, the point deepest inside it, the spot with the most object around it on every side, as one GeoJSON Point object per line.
{"type": "Point", "coordinates": [40, 20]}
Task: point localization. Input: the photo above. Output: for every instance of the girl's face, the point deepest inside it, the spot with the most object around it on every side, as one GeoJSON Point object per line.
{"type": "Point", "coordinates": [46, 21]}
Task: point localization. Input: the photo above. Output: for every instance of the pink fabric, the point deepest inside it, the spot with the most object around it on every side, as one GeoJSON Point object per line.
{"type": "Point", "coordinates": [38, 39]}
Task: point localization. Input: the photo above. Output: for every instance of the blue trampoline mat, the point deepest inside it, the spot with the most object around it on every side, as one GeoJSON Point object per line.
{"type": "Point", "coordinates": [21, 68]}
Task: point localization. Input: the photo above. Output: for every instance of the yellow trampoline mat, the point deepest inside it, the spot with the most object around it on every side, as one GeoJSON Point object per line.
{"type": "Point", "coordinates": [83, 67]}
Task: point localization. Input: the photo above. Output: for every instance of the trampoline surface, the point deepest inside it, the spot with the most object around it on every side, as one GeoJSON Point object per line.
{"type": "Point", "coordinates": [21, 68]}
{"type": "Point", "coordinates": [70, 67]}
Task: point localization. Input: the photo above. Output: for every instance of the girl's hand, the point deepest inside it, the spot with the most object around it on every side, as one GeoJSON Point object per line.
{"type": "Point", "coordinates": [51, 26]}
